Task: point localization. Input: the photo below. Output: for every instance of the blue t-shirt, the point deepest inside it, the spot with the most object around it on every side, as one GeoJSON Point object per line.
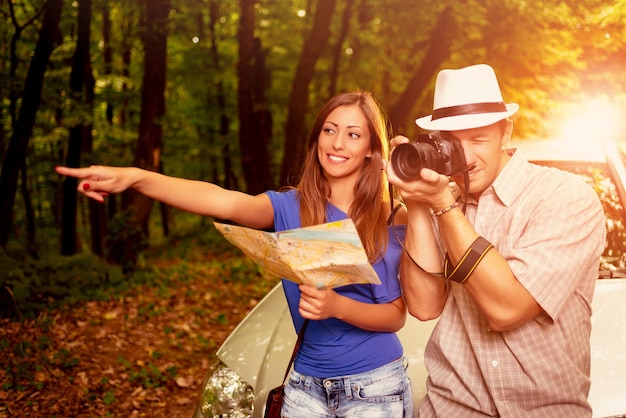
{"type": "Point", "coordinates": [332, 347]}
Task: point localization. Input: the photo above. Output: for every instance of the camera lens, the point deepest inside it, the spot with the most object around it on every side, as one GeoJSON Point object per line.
{"type": "Point", "coordinates": [408, 160]}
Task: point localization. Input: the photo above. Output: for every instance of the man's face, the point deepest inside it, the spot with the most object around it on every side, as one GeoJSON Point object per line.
{"type": "Point", "coordinates": [485, 153]}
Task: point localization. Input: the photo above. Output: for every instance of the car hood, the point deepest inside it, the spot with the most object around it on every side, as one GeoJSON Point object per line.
{"type": "Point", "coordinates": [608, 348]}
{"type": "Point", "coordinates": [260, 347]}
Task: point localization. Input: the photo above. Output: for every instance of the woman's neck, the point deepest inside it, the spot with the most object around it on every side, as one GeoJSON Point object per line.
{"type": "Point", "coordinates": [342, 196]}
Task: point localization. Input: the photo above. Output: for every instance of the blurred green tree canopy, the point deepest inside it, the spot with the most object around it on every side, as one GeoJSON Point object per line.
{"type": "Point", "coordinates": [236, 73]}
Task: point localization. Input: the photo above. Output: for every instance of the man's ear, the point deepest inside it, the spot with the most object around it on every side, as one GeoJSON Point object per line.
{"type": "Point", "coordinates": [506, 136]}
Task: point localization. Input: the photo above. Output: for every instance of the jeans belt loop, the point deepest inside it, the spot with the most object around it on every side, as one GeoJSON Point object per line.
{"type": "Point", "coordinates": [347, 387]}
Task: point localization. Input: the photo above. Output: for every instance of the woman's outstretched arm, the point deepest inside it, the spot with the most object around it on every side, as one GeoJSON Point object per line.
{"type": "Point", "coordinates": [193, 196]}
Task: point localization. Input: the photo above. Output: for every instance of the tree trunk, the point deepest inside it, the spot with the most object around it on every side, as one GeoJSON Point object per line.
{"type": "Point", "coordinates": [31, 229]}
{"type": "Point", "coordinates": [230, 180]}
{"type": "Point", "coordinates": [295, 132]}
{"type": "Point", "coordinates": [337, 53]}
{"type": "Point", "coordinates": [23, 129]}
{"type": "Point", "coordinates": [80, 136]}
{"type": "Point", "coordinates": [441, 40]}
{"type": "Point", "coordinates": [150, 140]}
{"type": "Point", "coordinates": [253, 143]}
{"type": "Point", "coordinates": [126, 48]}
{"type": "Point", "coordinates": [97, 226]}
{"type": "Point", "coordinates": [107, 52]}
{"type": "Point", "coordinates": [244, 86]}
{"type": "Point", "coordinates": [164, 211]}
{"type": "Point", "coordinates": [262, 117]}
{"type": "Point", "coordinates": [126, 29]}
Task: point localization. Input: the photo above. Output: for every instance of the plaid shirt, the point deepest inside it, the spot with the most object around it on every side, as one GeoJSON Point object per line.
{"type": "Point", "coordinates": [549, 226]}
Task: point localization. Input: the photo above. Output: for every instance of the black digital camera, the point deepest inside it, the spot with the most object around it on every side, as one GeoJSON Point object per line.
{"type": "Point", "coordinates": [436, 150]}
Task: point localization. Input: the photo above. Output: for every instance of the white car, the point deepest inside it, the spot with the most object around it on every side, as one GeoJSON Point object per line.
{"type": "Point", "coordinates": [255, 355]}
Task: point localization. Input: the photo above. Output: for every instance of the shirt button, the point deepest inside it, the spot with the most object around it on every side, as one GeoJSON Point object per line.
{"type": "Point", "coordinates": [494, 363]}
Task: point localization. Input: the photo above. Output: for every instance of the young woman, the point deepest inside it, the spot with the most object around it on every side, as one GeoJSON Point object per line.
{"type": "Point", "coordinates": [350, 362]}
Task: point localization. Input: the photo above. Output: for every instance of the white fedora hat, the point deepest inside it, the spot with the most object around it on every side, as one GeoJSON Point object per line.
{"type": "Point", "coordinates": [466, 98]}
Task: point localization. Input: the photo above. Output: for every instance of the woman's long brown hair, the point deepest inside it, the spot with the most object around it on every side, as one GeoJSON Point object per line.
{"type": "Point", "coordinates": [371, 202]}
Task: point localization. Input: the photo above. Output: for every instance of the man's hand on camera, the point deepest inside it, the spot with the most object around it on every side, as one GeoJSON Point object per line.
{"type": "Point", "coordinates": [431, 188]}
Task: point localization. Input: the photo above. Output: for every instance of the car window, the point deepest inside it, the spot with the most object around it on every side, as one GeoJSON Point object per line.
{"type": "Point", "coordinates": [598, 176]}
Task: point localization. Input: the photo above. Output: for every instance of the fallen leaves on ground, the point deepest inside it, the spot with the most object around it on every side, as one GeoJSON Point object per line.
{"type": "Point", "coordinates": [143, 354]}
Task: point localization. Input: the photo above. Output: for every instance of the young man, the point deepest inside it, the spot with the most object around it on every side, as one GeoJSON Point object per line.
{"type": "Point", "coordinates": [515, 299]}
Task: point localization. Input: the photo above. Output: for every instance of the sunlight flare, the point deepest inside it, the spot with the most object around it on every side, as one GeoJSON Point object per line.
{"type": "Point", "coordinates": [594, 121]}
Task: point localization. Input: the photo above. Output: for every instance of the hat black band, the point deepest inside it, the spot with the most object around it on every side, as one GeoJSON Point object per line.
{"type": "Point", "coordinates": [468, 109]}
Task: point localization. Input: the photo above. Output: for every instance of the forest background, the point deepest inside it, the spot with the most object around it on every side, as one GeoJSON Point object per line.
{"type": "Point", "coordinates": [225, 91]}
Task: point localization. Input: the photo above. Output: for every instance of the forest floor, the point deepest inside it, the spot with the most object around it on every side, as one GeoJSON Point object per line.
{"type": "Point", "coordinates": [144, 353]}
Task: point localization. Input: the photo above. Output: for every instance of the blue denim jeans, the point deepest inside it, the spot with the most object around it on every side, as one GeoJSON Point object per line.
{"type": "Point", "coordinates": [384, 392]}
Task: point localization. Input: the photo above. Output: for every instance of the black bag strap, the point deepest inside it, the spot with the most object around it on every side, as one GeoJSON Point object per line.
{"type": "Point", "coordinates": [296, 348]}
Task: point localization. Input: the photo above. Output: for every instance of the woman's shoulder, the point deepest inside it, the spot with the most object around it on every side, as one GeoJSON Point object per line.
{"type": "Point", "coordinates": [286, 206]}
{"type": "Point", "coordinates": [283, 194]}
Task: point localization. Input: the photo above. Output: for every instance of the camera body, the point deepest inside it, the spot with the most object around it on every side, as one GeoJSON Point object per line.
{"type": "Point", "coordinates": [436, 150]}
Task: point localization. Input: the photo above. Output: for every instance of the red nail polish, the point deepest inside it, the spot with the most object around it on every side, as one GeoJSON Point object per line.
{"type": "Point", "coordinates": [86, 186]}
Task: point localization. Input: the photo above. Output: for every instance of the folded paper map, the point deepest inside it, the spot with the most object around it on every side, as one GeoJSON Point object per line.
{"type": "Point", "coordinates": [324, 256]}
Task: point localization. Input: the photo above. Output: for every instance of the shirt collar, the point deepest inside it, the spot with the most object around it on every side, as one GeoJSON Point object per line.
{"type": "Point", "coordinates": [509, 184]}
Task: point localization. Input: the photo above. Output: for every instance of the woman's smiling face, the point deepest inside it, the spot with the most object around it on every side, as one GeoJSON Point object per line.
{"type": "Point", "coordinates": [344, 143]}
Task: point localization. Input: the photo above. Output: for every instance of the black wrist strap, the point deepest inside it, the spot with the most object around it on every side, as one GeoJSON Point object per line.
{"type": "Point", "coordinates": [468, 262]}
{"type": "Point", "coordinates": [296, 348]}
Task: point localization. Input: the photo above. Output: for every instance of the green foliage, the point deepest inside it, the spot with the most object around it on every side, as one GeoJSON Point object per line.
{"type": "Point", "coordinates": [36, 355]}
{"type": "Point", "coordinates": [103, 391]}
{"type": "Point", "coordinates": [64, 359]}
{"type": "Point", "coordinates": [148, 375]}
{"type": "Point", "coordinates": [545, 53]}
{"type": "Point", "coordinates": [108, 398]}
{"type": "Point", "coordinates": [27, 361]}
{"type": "Point", "coordinates": [125, 241]}
{"type": "Point", "coordinates": [27, 284]}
